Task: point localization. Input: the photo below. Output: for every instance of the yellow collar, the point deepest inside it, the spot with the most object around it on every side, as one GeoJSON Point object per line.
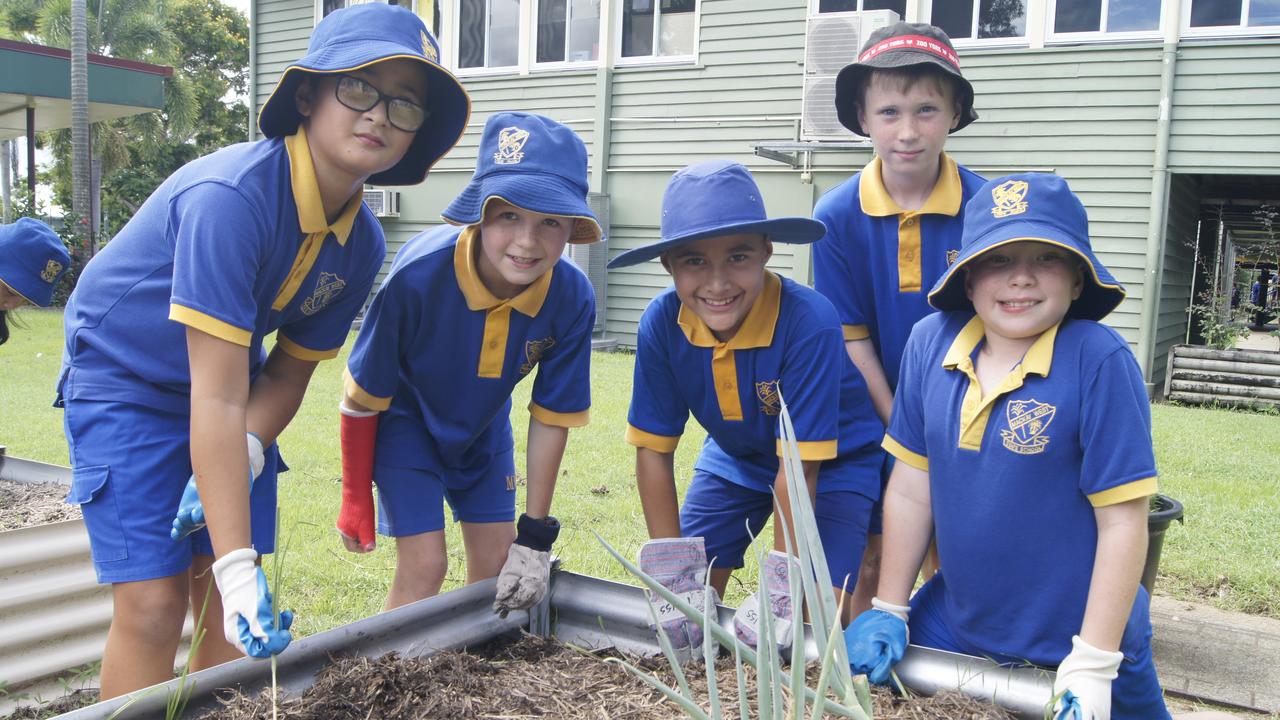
{"type": "Point", "coordinates": [306, 192]}
{"type": "Point", "coordinates": [1038, 359]}
{"type": "Point", "coordinates": [944, 200]}
{"type": "Point", "coordinates": [528, 302]}
{"type": "Point", "coordinates": [757, 327]}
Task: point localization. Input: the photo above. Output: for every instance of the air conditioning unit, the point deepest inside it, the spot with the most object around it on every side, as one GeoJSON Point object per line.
{"type": "Point", "coordinates": [384, 202]}
{"type": "Point", "coordinates": [593, 258]}
{"type": "Point", "coordinates": [831, 41]}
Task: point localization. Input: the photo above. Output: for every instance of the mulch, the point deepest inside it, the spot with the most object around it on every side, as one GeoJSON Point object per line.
{"type": "Point", "coordinates": [530, 677]}
{"type": "Point", "coordinates": [28, 504]}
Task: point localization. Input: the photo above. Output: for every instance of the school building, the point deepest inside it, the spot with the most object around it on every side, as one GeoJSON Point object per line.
{"type": "Point", "coordinates": [1163, 116]}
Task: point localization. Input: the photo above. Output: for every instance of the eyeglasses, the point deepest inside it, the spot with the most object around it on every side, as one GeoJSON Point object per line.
{"type": "Point", "coordinates": [360, 96]}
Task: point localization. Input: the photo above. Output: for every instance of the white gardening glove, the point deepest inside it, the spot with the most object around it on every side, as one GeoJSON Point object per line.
{"type": "Point", "coordinates": [679, 565]}
{"type": "Point", "coordinates": [190, 517]}
{"type": "Point", "coordinates": [247, 621]}
{"type": "Point", "coordinates": [1084, 682]}
{"type": "Point", "coordinates": [777, 579]}
{"type": "Point", "coordinates": [525, 575]}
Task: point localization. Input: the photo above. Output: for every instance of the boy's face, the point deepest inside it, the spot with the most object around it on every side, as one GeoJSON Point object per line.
{"type": "Point", "coordinates": [720, 278]}
{"type": "Point", "coordinates": [1023, 288]}
{"type": "Point", "coordinates": [908, 126]}
{"type": "Point", "coordinates": [518, 246]}
{"type": "Point", "coordinates": [353, 145]}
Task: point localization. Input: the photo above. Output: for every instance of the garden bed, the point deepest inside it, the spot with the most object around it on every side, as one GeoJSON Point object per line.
{"type": "Point", "coordinates": [29, 504]}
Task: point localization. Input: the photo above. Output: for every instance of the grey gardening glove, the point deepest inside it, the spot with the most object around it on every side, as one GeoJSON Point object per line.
{"type": "Point", "coordinates": [679, 565]}
{"type": "Point", "coordinates": [524, 578]}
{"type": "Point", "coordinates": [777, 581]}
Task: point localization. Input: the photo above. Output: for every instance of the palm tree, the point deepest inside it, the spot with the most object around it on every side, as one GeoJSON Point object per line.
{"type": "Point", "coordinates": [80, 123]}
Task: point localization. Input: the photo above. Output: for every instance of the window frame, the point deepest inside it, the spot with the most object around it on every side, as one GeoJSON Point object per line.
{"type": "Point", "coordinates": [907, 7]}
{"type": "Point", "coordinates": [650, 60]}
{"type": "Point", "coordinates": [318, 7]}
{"type": "Point", "coordinates": [1022, 40]}
{"type": "Point", "coordinates": [1225, 31]}
{"type": "Point", "coordinates": [553, 65]}
{"type": "Point", "coordinates": [1096, 36]}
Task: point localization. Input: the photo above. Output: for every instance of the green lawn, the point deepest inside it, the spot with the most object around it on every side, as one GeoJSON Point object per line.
{"type": "Point", "coordinates": [1222, 465]}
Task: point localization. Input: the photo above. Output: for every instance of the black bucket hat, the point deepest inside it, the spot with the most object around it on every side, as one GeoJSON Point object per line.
{"type": "Point", "coordinates": [898, 46]}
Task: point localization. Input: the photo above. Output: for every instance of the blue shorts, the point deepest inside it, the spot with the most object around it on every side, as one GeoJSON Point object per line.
{"type": "Point", "coordinates": [410, 500]}
{"type": "Point", "coordinates": [130, 464]}
{"type": "Point", "coordinates": [1135, 693]}
{"type": "Point", "coordinates": [721, 512]}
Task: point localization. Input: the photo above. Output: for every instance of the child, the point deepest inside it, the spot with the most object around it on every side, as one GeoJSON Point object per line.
{"type": "Point", "coordinates": [165, 375]}
{"type": "Point", "coordinates": [1022, 432]}
{"type": "Point", "coordinates": [466, 314]}
{"type": "Point", "coordinates": [724, 343]}
{"type": "Point", "coordinates": [893, 228]}
{"type": "Point", "coordinates": [32, 260]}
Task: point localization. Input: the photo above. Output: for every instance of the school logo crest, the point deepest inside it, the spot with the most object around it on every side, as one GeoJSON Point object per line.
{"type": "Point", "coordinates": [533, 352]}
{"type": "Point", "coordinates": [51, 270]}
{"type": "Point", "coordinates": [951, 256]}
{"type": "Point", "coordinates": [327, 288]}
{"type": "Point", "coordinates": [767, 394]}
{"type": "Point", "coordinates": [511, 146]}
{"type": "Point", "coordinates": [1009, 198]}
{"type": "Point", "coordinates": [429, 49]}
{"type": "Point", "coordinates": [1027, 421]}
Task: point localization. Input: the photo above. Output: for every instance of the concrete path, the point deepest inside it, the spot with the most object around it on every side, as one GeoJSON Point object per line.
{"type": "Point", "coordinates": [1229, 658]}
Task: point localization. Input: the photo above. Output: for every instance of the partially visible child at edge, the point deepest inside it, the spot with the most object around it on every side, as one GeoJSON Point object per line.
{"type": "Point", "coordinates": [167, 386]}
{"type": "Point", "coordinates": [32, 261]}
{"type": "Point", "coordinates": [1023, 434]}
{"type": "Point", "coordinates": [723, 344]}
{"type": "Point", "coordinates": [465, 314]}
{"type": "Point", "coordinates": [893, 228]}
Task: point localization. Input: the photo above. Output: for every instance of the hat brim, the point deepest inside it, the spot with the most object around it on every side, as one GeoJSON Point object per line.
{"type": "Point", "coordinates": [853, 76]}
{"type": "Point", "coordinates": [1101, 293]}
{"type": "Point", "coordinates": [448, 106]}
{"type": "Point", "coordinates": [537, 192]}
{"type": "Point", "coordinates": [790, 230]}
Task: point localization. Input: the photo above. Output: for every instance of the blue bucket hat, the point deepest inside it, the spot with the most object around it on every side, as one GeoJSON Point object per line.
{"type": "Point", "coordinates": [1029, 207]}
{"type": "Point", "coordinates": [359, 36]}
{"type": "Point", "coordinates": [32, 259]}
{"type": "Point", "coordinates": [534, 163]}
{"type": "Point", "coordinates": [715, 198]}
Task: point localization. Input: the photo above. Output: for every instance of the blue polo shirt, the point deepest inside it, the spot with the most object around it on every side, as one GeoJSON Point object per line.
{"type": "Point", "coordinates": [1015, 476]}
{"type": "Point", "coordinates": [441, 355]}
{"type": "Point", "coordinates": [791, 342]}
{"type": "Point", "coordinates": [235, 244]}
{"type": "Point", "coordinates": [878, 262]}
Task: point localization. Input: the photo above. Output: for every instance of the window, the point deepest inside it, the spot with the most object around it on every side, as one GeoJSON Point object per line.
{"type": "Point", "coordinates": [1106, 16]}
{"type": "Point", "coordinates": [898, 6]}
{"type": "Point", "coordinates": [658, 28]}
{"type": "Point", "coordinates": [1225, 14]}
{"type": "Point", "coordinates": [428, 10]}
{"type": "Point", "coordinates": [980, 19]}
{"type": "Point", "coordinates": [488, 33]}
{"type": "Point", "coordinates": [568, 30]}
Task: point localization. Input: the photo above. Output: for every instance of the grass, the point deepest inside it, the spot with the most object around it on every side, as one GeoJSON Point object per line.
{"type": "Point", "coordinates": [1221, 464]}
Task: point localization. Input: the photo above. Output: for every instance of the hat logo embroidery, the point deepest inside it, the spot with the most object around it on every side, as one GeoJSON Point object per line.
{"type": "Point", "coordinates": [428, 49]}
{"type": "Point", "coordinates": [511, 146]}
{"type": "Point", "coordinates": [767, 394]}
{"type": "Point", "coordinates": [533, 352]}
{"type": "Point", "coordinates": [51, 270]}
{"type": "Point", "coordinates": [327, 288]}
{"type": "Point", "coordinates": [952, 255]}
{"type": "Point", "coordinates": [1027, 421]}
{"type": "Point", "coordinates": [1009, 198]}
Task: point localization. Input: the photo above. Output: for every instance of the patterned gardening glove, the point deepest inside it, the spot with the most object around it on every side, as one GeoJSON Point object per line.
{"type": "Point", "coordinates": [247, 620]}
{"type": "Point", "coordinates": [877, 639]}
{"type": "Point", "coordinates": [1084, 682]}
{"type": "Point", "coordinates": [679, 565]}
{"type": "Point", "coordinates": [190, 517]}
{"type": "Point", "coordinates": [746, 621]}
{"type": "Point", "coordinates": [524, 578]}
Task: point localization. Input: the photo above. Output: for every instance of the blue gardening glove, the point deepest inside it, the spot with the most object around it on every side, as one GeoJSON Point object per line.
{"type": "Point", "coordinates": [247, 621]}
{"type": "Point", "coordinates": [679, 565]}
{"type": "Point", "coordinates": [877, 639]}
{"type": "Point", "coordinates": [190, 517]}
{"type": "Point", "coordinates": [777, 578]}
{"type": "Point", "coordinates": [1084, 682]}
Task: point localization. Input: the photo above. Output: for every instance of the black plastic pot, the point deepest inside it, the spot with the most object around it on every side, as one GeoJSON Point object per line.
{"type": "Point", "coordinates": [1164, 510]}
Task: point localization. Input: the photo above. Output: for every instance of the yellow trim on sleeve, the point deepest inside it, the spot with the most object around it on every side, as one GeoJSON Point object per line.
{"type": "Point", "coordinates": [556, 419]}
{"type": "Point", "coordinates": [658, 443]}
{"type": "Point", "coordinates": [357, 393]}
{"type": "Point", "coordinates": [1125, 493]}
{"type": "Point", "coordinates": [856, 332]}
{"type": "Point", "coordinates": [293, 349]}
{"type": "Point", "coordinates": [899, 451]}
{"type": "Point", "coordinates": [210, 325]}
{"type": "Point", "coordinates": [817, 450]}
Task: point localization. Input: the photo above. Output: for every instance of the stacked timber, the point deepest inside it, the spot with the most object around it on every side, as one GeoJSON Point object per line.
{"type": "Point", "coordinates": [1198, 375]}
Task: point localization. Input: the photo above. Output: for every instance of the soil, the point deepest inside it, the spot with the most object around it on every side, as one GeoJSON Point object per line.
{"type": "Point", "coordinates": [530, 677]}
{"type": "Point", "coordinates": [65, 704]}
{"type": "Point", "coordinates": [28, 504]}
